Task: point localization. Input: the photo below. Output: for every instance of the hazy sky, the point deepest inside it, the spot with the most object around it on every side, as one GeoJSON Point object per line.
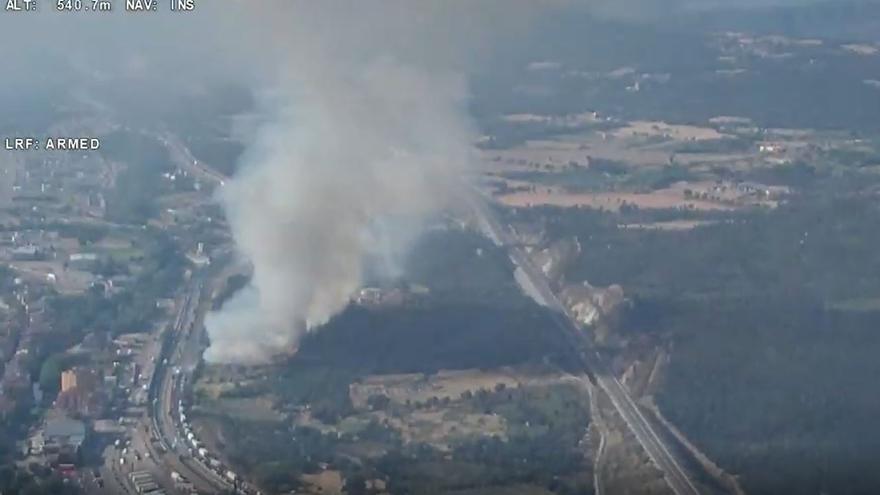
{"type": "Point", "coordinates": [225, 38]}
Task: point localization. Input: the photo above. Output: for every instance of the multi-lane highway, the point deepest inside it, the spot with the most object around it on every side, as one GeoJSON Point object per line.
{"type": "Point", "coordinates": [181, 155]}
{"type": "Point", "coordinates": [179, 356]}
{"type": "Point", "coordinates": [597, 366]}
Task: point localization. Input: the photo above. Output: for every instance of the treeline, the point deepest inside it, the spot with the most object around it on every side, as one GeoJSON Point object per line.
{"type": "Point", "coordinates": [408, 340]}
{"type": "Point", "coordinates": [821, 248]}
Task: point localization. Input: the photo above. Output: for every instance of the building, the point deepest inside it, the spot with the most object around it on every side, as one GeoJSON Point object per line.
{"type": "Point", "coordinates": [82, 392]}
{"type": "Point", "coordinates": [25, 253]}
{"type": "Point", "coordinates": [84, 379]}
{"type": "Point", "coordinates": [63, 433]}
{"type": "Point", "coordinates": [68, 380]}
{"type": "Point", "coordinates": [83, 261]}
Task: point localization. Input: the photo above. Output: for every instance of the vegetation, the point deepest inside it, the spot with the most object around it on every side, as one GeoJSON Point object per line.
{"type": "Point", "coordinates": [15, 480]}
{"type": "Point", "coordinates": [772, 324]}
{"type": "Point", "coordinates": [449, 336]}
{"type": "Point", "coordinates": [130, 310]}
{"type": "Point", "coordinates": [474, 317]}
{"type": "Point", "coordinates": [18, 482]}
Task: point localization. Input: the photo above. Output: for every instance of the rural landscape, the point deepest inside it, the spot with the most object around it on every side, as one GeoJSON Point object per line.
{"type": "Point", "coordinates": [488, 249]}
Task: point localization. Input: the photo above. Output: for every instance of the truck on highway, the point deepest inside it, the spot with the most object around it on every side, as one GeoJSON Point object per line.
{"type": "Point", "coordinates": [180, 483]}
{"type": "Point", "coordinates": [147, 487]}
{"type": "Point", "coordinates": [140, 476]}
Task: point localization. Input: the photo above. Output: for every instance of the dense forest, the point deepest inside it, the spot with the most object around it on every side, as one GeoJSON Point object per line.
{"type": "Point", "coordinates": [771, 318]}
{"type": "Point", "coordinates": [474, 317]}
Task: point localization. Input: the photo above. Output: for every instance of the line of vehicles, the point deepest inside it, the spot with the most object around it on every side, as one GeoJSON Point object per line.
{"type": "Point", "coordinates": [181, 484]}
{"type": "Point", "coordinates": [201, 454]}
{"type": "Point", "coordinates": [168, 387]}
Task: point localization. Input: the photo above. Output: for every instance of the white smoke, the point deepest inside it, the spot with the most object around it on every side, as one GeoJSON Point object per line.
{"type": "Point", "coordinates": [369, 123]}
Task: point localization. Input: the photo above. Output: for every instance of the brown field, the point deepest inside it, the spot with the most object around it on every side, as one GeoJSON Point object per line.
{"type": "Point", "coordinates": [327, 482]}
{"type": "Point", "coordinates": [558, 154]}
{"type": "Point", "coordinates": [68, 282]}
{"type": "Point", "coordinates": [705, 196]}
{"type": "Point", "coordinates": [669, 198]}
{"type": "Point", "coordinates": [629, 145]}
{"type": "Point", "coordinates": [641, 128]}
{"type": "Point", "coordinates": [446, 423]}
{"type": "Point", "coordinates": [441, 428]}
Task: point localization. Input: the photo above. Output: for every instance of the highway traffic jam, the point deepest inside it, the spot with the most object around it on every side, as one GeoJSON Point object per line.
{"type": "Point", "coordinates": [163, 454]}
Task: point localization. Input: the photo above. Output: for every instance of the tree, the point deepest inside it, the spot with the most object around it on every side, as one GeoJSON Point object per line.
{"type": "Point", "coordinates": [356, 485]}
{"type": "Point", "coordinates": [378, 402]}
{"type": "Point", "coordinates": [50, 374]}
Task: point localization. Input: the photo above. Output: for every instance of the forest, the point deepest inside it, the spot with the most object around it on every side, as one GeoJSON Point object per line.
{"type": "Point", "coordinates": [770, 317]}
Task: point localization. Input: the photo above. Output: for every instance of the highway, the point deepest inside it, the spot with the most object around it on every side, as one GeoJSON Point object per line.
{"type": "Point", "coordinates": [596, 365]}
{"type": "Point", "coordinates": [178, 357]}
{"type": "Point", "coordinates": [185, 159]}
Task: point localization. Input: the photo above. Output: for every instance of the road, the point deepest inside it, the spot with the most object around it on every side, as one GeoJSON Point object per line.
{"type": "Point", "coordinates": [178, 358]}
{"type": "Point", "coordinates": [596, 365]}
{"type": "Point", "coordinates": [152, 438]}
{"type": "Point", "coordinates": [181, 155]}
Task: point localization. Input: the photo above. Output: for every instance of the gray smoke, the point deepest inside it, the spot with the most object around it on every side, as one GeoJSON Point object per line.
{"type": "Point", "coordinates": [369, 124]}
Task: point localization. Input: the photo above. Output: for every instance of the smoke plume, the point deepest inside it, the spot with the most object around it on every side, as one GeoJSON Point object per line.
{"type": "Point", "coordinates": [369, 123]}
